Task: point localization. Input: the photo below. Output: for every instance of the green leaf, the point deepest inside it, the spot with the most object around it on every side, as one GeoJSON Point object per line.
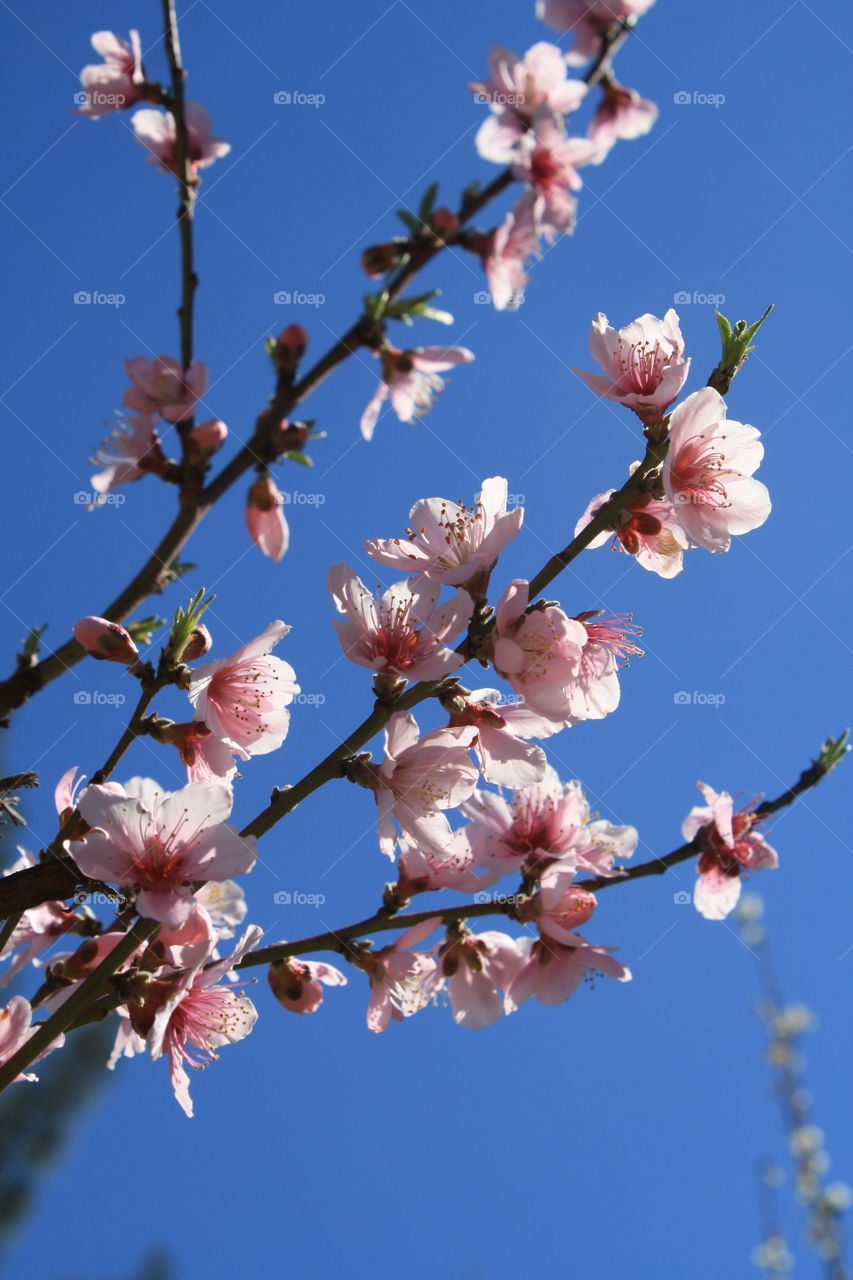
{"type": "Point", "coordinates": [409, 220]}
{"type": "Point", "coordinates": [295, 455]}
{"type": "Point", "coordinates": [833, 751]}
{"type": "Point", "coordinates": [428, 202]}
{"type": "Point", "coordinates": [141, 629]}
{"type": "Point", "coordinates": [32, 644]}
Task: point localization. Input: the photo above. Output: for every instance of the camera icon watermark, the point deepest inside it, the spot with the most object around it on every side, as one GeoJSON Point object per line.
{"type": "Point", "coordinates": [682, 898]}
{"type": "Point", "coordinates": [686, 98]}
{"type": "Point", "coordinates": [292, 98]}
{"type": "Point", "coordinates": [684, 297]}
{"type": "Point", "coordinates": [96, 298]}
{"type": "Point", "coordinates": [696, 698]}
{"type": "Point", "coordinates": [295, 898]}
{"type": "Point", "coordinates": [94, 698]}
{"type": "Point", "coordinates": [284, 298]}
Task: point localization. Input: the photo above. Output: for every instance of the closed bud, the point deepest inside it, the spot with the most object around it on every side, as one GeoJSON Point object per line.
{"type": "Point", "coordinates": [380, 258]}
{"type": "Point", "coordinates": [199, 643]}
{"type": "Point", "coordinates": [290, 348]}
{"type": "Point", "coordinates": [207, 437]}
{"type": "Point", "coordinates": [265, 518]}
{"type": "Point", "coordinates": [105, 640]}
{"type": "Point", "coordinates": [444, 222]}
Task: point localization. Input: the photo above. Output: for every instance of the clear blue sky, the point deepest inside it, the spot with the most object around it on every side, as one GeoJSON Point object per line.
{"type": "Point", "coordinates": [616, 1134]}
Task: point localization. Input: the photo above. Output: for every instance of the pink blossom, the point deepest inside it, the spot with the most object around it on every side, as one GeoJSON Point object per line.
{"type": "Point", "coordinates": [161, 386]}
{"type": "Point", "coordinates": [504, 254]}
{"type": "Point", "coordinates": [546, 823]}
{"type": "Point", "coordinates": [265, 518]}
{"type": "Point", "coordinates": [243, 699]}
{"type": "Point", "coordinates": [296, 984]}
{"type": "Point", "coordinates": [397, 977]}
{"type": "Point", "coordinates": [417, 872]}
{"type": "Point", "coordinates": [418, 778]}
{"type": "Point", "coordinates": [16, 1030]}
{"type": "Point", "coordinates": [117, 82]}
{"type": "Point", "coordinates": [729, 845]}
{"type": "Point", "coordinates": [411, 378]}
{"type": "Point", "coordinates": [707, 473]}
{"type": "Point", "coordinates": [157, 843]}
{"type": "Point", "coordinates": [648, 529]}
{"type": "Point", "coordinates": [225, 904]}
{"type": "Point", "coordinates": [589, 20]}
{"type": "Point", "coordinates": [539, 652]}
{"type": "Point", "coordinates": [65, 797]}
{"type": "Point", "coordinates": [594, 692]}
{"type": "Point", "coordinates": [199, 1013]}
{"type": "Point", "coordinates": [156, 131]}
{"type": "Point", "coordinates": [644, 365]}
{"type": "Point", "coordinates": [548, 162]}
{"type": "Point", "coordinates": [561, 907]}
{"type": "Point", "coordinates": [475, 968]}
{"type": "Point", "coordinates": [206, 438]}
{"type": "Point", "coordinates": [553, 971]}
{"type": "Point", "coordinates": [621, 113]}
{"type": "Point", "coordinates": [205, 756]}
{"type": "Point", "coordinates": [105, 640]}
{"type": "Point", "coordinates": [515, 89]}
{"type": "Point", "coordinates": [400, 632]}
{"type": "Point", "coordinates": [504, 758]}
{"type": "Point", "coordinates": [130, 451]}
{"type": "Point", "coordinates": [452, 543]}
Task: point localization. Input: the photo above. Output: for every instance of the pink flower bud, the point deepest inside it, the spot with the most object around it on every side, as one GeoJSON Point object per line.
{"type": "Point", "coordinates": [445, 222]}
{"type": "Point", "coordinates": [103, 639]}
{"type": "Point", "coordinates": [199, 643]}
{"type": "Point", "coordinates": [265, 518]}
{"type": "Point", "coordinates": [290, 348]}
{"type": "Point", "coordinates": [207, 437]}
{"type": "Point", "coordinates": [380, 258]}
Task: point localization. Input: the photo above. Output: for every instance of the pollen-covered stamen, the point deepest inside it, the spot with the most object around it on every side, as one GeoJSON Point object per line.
{"type": "Point", "coordinates": [396, 638]}
{"type": "Point", "coordinates": [159, 865]}
{"type": "Point", "coordinates": [696, 473]}
{"type": "Point", "coordinates": [407, 995]}
{"type": "Point", "coordinates": [615, 633]}
{"type": "Point", "coordinates": [534, 824]}
{"type": "Point", "coordinates": [546, 169]}
{"type": "Point", "coordinates": [643, 365]}
{"type": "Point", "coordinates": [729, 858]}
{"type": "Point", "coordinates": [203, 1019]}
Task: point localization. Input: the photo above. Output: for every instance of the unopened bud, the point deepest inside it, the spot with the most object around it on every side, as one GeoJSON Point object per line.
{"type": "Point", "coordinates": [199, 643]}
{"type": "Point", "coordinates": [105, 640]}
{"type": "Point", "coordinates": [380, 258]}
{"type": "Point", "coordinates": [445, 222]}
{"type": "Point", "coordinates": [290, 348]}
{"type": "Point", "coordinates": [207, 437]}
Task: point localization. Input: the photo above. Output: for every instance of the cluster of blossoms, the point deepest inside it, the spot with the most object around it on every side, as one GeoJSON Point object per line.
{"type": "Point", "coordinates": [530, 99]}
{"type": "Point", "coordinates": [158, 848]}
{"type": "Point", "coordinates": [170, 857]}
{"type": "Point", "coordinates": [160, 389]}
{"type": "Point", "coordinates": [705, 491]}
{"type": "Point", "coordinates": [120, 82]}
